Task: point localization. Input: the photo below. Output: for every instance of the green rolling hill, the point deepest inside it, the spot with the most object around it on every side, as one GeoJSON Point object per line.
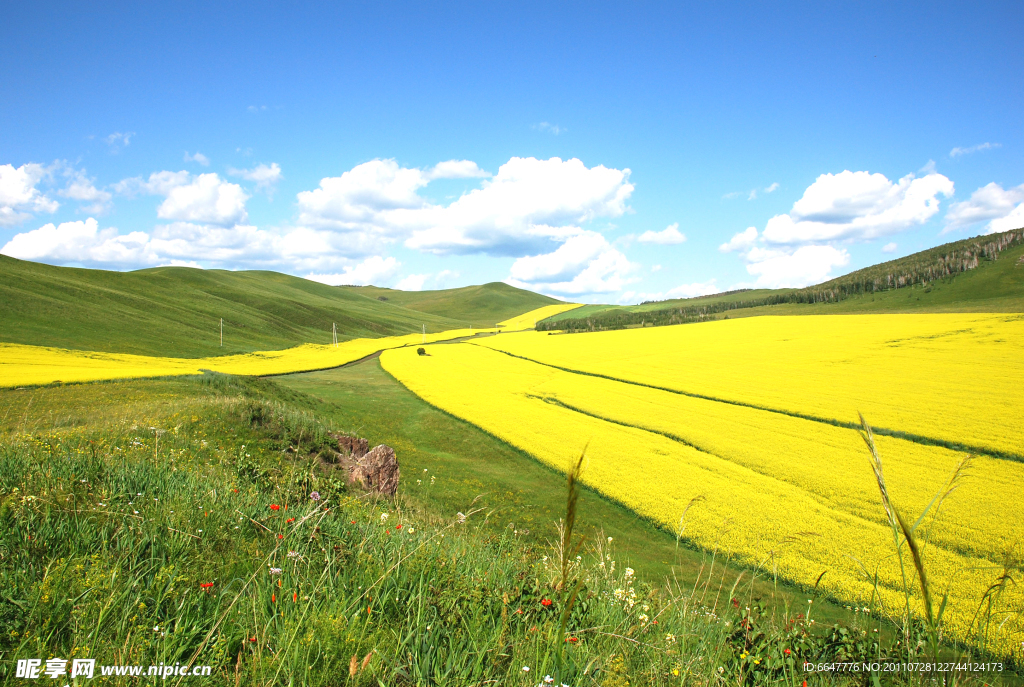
{"type": "Point", "coordinates": [176, 311]}
{"type": "Point", "coordinates": [483, 305]}
{"type": "Point", "coordinates": [981, 274]}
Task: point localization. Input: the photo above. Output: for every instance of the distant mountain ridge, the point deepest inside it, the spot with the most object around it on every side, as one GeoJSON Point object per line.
{"type": "Point", "coordinates": [982, 273]}
{"type": "Point", "coordinates": [176, 311]}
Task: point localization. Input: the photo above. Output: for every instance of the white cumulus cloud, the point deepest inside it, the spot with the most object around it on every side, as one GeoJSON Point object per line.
{"type": "Point", "coordinates": [682, 291]}
{"type": "Point", "coordinates": [264, 176]}
{"type": "Point", "coordinates": [119, 139]}
{"type": "Point", "coordinates": [889, 248]}
{"type": "Point", "coordinates": [666, 237]}
{"type": "Point", "coordinates": [19, 197]}
{"type": "Point", "coordinates": [456, 169]}
{"type": "Point", "coordinates": [413, 282]}
{"type": "Point", "coordinates": [740, 241]}
{"type": "Point", "coordinates": [206, 199]}
{"type": "Point", "coordinates": [198, 158]}
{"type": "Point", "coordinates": [957, 152]}
{"type": "Point", "coordinates": [586, 264]}
{"type": "Point", "coordinates": [158, 184]}
{"type": "Point", "coordinates": [81, 242]}
{"type": "Point", "coordinates": [858, 206]}
{"type": "Point", "coordinates": [782, 268]}
{"type": "Point", "coordinates": [528, 207]}
{"type": "Point", "coordinates": [373, 270]}
{"type": "Point", "coordinates": [82, 188]}
{"type": "Point", "coordinates": [1002, 208]}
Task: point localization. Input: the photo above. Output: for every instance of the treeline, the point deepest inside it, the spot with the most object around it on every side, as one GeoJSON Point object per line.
{"type": "Point", "coordinates": [918, 269]}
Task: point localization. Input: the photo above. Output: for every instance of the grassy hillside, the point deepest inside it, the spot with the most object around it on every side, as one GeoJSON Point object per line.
{"type": "Point", "coordinates": [160, 522]}
{"type": "Point", "coordinates": [176, 311]}
{"type": "Point", "coordinates": [982, 274]}
{"type": "Point", "coordinates": [480, 306]}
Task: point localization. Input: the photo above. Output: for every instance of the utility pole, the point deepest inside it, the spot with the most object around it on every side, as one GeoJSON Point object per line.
{"type": "Point", "coordinates": [424, 333]}
{"type": "Point", "coordinates": [334, 333]}
{"type": "Point", "coordinates": [222, 332]}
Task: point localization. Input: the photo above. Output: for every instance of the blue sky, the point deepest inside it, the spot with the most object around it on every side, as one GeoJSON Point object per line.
{"type": "Point", "coordinates": [598, 152]}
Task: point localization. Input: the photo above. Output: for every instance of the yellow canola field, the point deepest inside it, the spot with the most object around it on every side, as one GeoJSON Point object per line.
{"type": "Point", "coordinates": [781, 492]}
{"type": "Point", "coordinates": [529, 320]}
{"type": "Point", "coordinates": [32, 365]}
{"type": "Point", "coordinates": [950, 377]}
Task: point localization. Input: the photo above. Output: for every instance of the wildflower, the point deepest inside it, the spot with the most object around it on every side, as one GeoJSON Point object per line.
{"type": "Point", "coordinates": [273, 598]}
{"type": "Point", "coordinates": [545, 602]}
{"type": "Point", "coordinates": [235, 490]}
{"type": "Point", "coordinates": [295, 597]}
{"type": "Point", "coordinates": [675, 671]}
{"type": "Point", "coordinates": [398, 527]}
{"type": "Point", "coordinates": [548, 679]}
{"type": "Point", "coordinates": [280, 536]}
{"type": "Point", "coordinates": [573, 640]}
{"type": "Point", "coordinates": [526, 669]}
{"type": "Point", "coordinates": [387, 531]}
{"type": "Point", "coordinates": [274, 506]}
{"type": "Point", "coordinates": [609, 540]}
{"type": "Point", "coordinates": [411, 530]}
{"type": "Point", "coordinates": [275, 571]}
{"type": "Point", "coordinates": [206, 585]}
{"type": "Point", "coordinates": [293, 554]}
{"type": "Point", "coordinates": [353, 522]}
{"type": "Point", "coordinates": [289, 521]}
{"type": "Point", "coordinates": [670, 638]}
{"type": "Point", "coordinates": [787, 652]}
{"type": "Point", "coordinates": [460, 517]}
{"type": "Point", "coordinates": [315, 496]}
{"type": "Point", "coordinates": [252, 639]}
{"type": "Point", "coordinates": [643, 618]}
{"type": "Point", "coordinates": [383, 517]}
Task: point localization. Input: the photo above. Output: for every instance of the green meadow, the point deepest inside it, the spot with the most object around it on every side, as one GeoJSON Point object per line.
{"type": "Point", "coordinates": [192, 521]}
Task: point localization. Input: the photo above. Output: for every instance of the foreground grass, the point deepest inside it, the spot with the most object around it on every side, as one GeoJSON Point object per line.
{"type": "Point", "coordinates": [174, 529]}
{"type": "Point", "coordinates": [470, 466]}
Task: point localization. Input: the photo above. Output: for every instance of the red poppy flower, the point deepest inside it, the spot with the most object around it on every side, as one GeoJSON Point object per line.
{"type": "Point", "coordinates": [289, 520]}
{"type": "Point", "coordinates": [274, 506]}
{"type": "Point", "coordinates": [280, 536]}
{"type": "Point", "coordinates": [206, 585]}
{"type": "Point", "coordinates": [387, 531]}
{"type": "Point", "coordinates": [398, 527]}
{"type": "Point", "coordinates": [572, 639]}
{"type": "Point", "coordinates": [295, 597]}
{"type": "Point", "coordinates": [787, 652]}
{"type": "Point", "coordinates": [545, 602]}
{"type": "Point", "coordinates": [235, 490]}
{"type": "Point", "coordinates": [252, 639]}
{"type": "Point", "coordinates": [353, 522]}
